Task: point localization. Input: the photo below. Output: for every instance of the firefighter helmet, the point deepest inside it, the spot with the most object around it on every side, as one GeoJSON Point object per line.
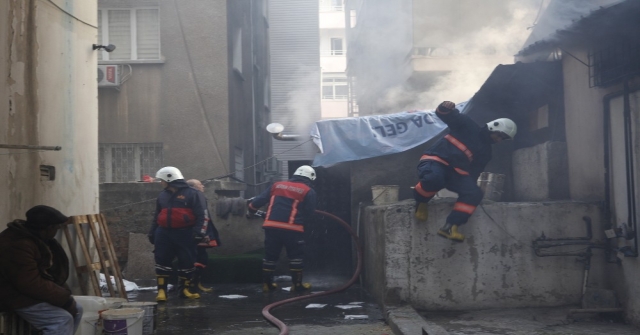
{"type": "Point", "coordinates": [169, 174]}
{"type": "Point", "coordinates": [306, 171]}
{"type": "Point", "coordinates": [505, 126]}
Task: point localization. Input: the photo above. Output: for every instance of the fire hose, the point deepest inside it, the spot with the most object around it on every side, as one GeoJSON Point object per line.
{"type": "Point", "coordinates": [284, 330]}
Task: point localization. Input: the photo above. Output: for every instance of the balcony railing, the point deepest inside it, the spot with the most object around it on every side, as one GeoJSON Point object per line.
{"type": "Point", "coordinates": [332, 8]}
{"type": "Point", "coordinates": [332, 52]}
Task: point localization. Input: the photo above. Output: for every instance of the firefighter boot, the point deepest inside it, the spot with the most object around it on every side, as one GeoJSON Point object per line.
{"type": "Point", "coordinates": [267, 281]}
{"type": "Point", "coordinates": [298, 285]}
{"type": "Point", "coordinates": [422, 212]}
{"type": "Point", "coordinates": [197, 281]}
{"type": "Point", "coordinates": [162, 288]}
{"type": "Point", "coordinates": [450, 231]}
{"type": "Point", "coordinates": [188, 289]}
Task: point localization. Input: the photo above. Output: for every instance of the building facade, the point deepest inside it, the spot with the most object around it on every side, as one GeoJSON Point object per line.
{"type": "Point", "coordinates": [48, 99]}
{"type": "Point", "coordinates": [192, 89]}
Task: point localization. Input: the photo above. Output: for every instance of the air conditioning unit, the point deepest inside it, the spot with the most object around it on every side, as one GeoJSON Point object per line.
{"type": "Point", "coordinates": [108, 76]}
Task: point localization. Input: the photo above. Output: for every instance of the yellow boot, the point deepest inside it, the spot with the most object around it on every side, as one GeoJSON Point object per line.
{"type": "Point", "coordinates": [298, 285]}
{"type": "Point", "coordinates": [188, 291]}
{"type": "Point", "coordinates": [162, 289]}
{"type": "Point", "coordinates": [422, 212]}
{"type": "Point", "coordinates": [450, 231]}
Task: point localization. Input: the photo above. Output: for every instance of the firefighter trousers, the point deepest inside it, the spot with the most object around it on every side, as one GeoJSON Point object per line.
{"type": "Point", "coordinates": [435, 176]}
{"type": "Point", "coordinates": [172, 243]}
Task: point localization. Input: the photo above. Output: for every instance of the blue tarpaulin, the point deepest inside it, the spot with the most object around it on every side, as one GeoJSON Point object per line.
{"type": "Point", "coordinates": [355, 138]}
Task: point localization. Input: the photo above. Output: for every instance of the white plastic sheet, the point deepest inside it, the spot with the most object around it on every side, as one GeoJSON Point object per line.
{"type": "Point", "coordinates": [355, 138]}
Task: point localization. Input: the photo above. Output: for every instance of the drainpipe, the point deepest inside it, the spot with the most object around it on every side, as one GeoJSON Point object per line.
{"type": "Point", "coordinates": [629, 166]}
{"type": "Point", "coordinates": [253, 96]}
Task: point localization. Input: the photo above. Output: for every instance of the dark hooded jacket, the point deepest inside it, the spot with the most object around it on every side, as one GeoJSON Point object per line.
{"type": "Point", "coordinates": [32, 270]}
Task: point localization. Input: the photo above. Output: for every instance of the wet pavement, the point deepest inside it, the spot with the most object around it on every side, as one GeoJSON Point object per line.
{"type": "Point", "coordinates": [215, 315]}
{"type": "Point", "coordinates": [529, 321]}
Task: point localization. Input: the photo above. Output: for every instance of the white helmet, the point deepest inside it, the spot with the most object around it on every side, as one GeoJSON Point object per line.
{"type": "Point", "coordinates": [505, 126]}
{"type": "Point", "coordinates": [169, 174]}
{"type": "Point", "coordinates": [306, 171]}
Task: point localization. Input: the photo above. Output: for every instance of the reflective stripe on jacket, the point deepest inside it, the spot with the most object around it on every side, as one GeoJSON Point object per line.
{"type": "Point", "coordinates": [467, 146]}
{"type": "Point", "coordinates": [290, 203]}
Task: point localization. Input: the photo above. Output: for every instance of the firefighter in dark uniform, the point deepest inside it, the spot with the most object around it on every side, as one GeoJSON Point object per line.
{"type": "Point", "coordinates": [291, 203]}
{"type": "Point", "coordinates": [175, 231]}
{"type": "Point", "coordinates": [455, 163]}
{"type": "Point", "coordinates": [211, 240]}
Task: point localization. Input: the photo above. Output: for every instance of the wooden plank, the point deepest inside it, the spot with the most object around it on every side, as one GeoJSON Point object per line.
{"type": "Point", "coordinates": [97, 240]}
{"type": "Point", "coordinates": [112, 255]}
{"type": "Point", "coordinates": [74, 258]}
{"type": "Point", "coordinates": [77, 221]}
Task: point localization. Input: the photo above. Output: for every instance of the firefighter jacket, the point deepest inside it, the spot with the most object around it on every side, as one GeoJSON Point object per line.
{"type": "Point", "coordinates": [291, 203]}
{"type": "Point", "coordinates": [466, 148]}
{"type": "Point", "coordinates": [180, 206]}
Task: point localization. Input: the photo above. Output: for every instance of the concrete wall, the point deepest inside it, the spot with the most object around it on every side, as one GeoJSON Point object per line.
{"type": "Point", "coordinates": [405, 260]}
{"type": "Point", "coordinates": [129, 208]}
{"type": "Point", "coordinates": [583, 115]}
{"type": "Point", "coordinates": [540, 172]}
{"type": "Point", "coordinates": [48, 97]}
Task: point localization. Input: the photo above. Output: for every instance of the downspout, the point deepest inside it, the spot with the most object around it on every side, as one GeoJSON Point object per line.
{"type": "Point", "coordinates": [253, 96]}
{"type": "Point", "coordinates": [628, 162]}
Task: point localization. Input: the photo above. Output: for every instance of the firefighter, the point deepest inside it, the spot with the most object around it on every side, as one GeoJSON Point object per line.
{"type": "Point", "coordinates": [455, 163]}
{"type": "Point", "coordinates": [175, 231]}
{"type": "Point", "coordinates": [211, 240]}
{"type": "Point", "coordinates": [291, 203]}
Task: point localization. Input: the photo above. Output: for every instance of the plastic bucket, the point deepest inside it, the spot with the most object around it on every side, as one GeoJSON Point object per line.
{"type": "Point", "coordinates": [91, 304]}
{"type": "Point", "coordinates": [150, 314]}
{"type": "Point", "coordinates": [385, 194]}
{"type": "Point", "coordinates": [113, 303]}
{"type": "Point", "coordinates": [89, 324]}
{"type": "Point", "coordinates": [122, 321]}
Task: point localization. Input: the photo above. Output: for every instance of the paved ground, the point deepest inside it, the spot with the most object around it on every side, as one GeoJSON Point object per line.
{"type": "Point", "coordinates": [529, 321]}
{"type": "Point", "coordinates": [215, 315]}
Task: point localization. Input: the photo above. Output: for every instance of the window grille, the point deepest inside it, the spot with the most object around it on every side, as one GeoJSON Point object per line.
{"type": "Point", "coordinates": [614, 63]}
{"type": "Point", "coordinates": [126, 162]}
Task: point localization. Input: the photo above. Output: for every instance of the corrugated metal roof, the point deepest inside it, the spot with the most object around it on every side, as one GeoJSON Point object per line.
{"type": "Point", "coordinates": [295, 73]}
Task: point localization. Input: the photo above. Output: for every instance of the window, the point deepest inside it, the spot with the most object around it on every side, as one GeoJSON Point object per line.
{"type": "Point", "coordinates": [125, 162]}
{"type": "Point", "coordinates": [267, 92]}
{"type": "Point", "coordinates": [134, 32]}
{"type": "Point", "coordinates": [237, 51]}
{"type": "Point", "coordinates": [331, 5]}
{"type": "Point", "coordinates": [334, 87]}
{"type": "Point", "coordinates": [336, 47]}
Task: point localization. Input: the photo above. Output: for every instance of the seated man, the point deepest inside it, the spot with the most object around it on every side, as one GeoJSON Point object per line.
{"type": "Point", "coordinates": [33, 272]}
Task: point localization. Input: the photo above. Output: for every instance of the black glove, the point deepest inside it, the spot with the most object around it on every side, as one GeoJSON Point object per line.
{"type": "Point", "coordinates": [152, 238]}
{"type": "Point", "coordinates": [446, 106]}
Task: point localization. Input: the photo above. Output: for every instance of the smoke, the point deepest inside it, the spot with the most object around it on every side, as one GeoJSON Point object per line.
{"type": "Point", "coordinates": [468, 40]}
{"type": "Point", "coordinates": [464, 40]}
{"type": "Point", "coordinates": [303, 99]}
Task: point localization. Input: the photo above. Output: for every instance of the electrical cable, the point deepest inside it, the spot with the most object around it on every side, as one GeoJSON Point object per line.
{"type": "Point", "coordinates": [69, 14]}
{"type": "Point", "coordinates": [284, 330]}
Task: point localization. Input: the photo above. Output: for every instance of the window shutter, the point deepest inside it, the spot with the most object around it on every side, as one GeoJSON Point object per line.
{"type": "Point", "coordinates": [148, 33]}
{"type": "Point", "coordinates": [120, 34]}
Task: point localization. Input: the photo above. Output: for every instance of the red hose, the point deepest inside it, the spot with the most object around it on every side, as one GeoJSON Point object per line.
{"type": "Point", "coordinates": [284, 330]}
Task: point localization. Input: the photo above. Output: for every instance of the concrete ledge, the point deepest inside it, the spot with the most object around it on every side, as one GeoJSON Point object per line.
{"type": "Point", "coordinates": [404, 320]}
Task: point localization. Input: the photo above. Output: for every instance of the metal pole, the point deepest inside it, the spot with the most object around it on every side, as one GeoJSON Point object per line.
{"type": "Point", "coordinates": [33, 147]}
